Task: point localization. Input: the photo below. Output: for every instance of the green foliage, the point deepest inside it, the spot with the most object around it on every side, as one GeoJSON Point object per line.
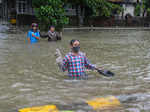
{"type": "Point", "coordinates": [50, 12]}
{"type": "Point", "coordinates": [98, 7]}
{"type": "Point", "coordinates": [148, 11]}
{"type": "Point", "coordinates": [102, 7]}
{"type": "Point", "coordinates": [146, 6]}
{"type": "Point", "coordinates": [146, 3]}
{"type": "Point", "coordinates": [137, 10]}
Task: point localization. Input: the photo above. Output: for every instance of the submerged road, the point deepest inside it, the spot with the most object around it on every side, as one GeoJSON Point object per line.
{"type": "Point", "coordinates": [30, 77]}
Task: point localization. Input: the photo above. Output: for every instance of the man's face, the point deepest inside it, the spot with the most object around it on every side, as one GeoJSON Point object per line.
{"type": "Point", "coordinates": [34, 28]}
{"type": "Point", "coordinates": [52, 29]}
{"type": "Point", "coordinates": [76, 44]}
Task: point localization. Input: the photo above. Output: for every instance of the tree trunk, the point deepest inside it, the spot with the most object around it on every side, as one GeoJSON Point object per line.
{"type": "Point", "coordinates": [77, 14]}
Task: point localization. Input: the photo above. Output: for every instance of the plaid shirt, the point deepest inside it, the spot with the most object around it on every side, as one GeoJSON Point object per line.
{"type": "Point", "coordinates": [76, 65]}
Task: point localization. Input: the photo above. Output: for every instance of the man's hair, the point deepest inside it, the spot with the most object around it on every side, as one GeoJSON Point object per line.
{"type": "Point", "coordinates": [51, 27]}
{"type": "Point", "coordinates": [34, 25]}
{"type": "Point", "coordinates": [72, 41]}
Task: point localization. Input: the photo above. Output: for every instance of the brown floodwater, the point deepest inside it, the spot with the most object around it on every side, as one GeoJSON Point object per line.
{"type": "Point", "coordinates": [29, 75]}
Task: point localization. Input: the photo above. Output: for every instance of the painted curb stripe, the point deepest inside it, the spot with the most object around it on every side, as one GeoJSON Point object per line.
{"type": "Point", "coordinates": [46, 108]}
{"type": "Point", "coordinates": [101, 103]}
{"type": "Point", "coordinates": [95, 104]}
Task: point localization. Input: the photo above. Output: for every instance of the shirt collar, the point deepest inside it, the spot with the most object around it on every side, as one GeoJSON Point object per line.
{"type": "Point", "coordinates": [75, 55]}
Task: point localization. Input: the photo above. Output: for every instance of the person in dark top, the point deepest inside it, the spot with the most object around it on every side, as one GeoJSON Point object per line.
{"type": "Point", "coordinates": [53, 35]}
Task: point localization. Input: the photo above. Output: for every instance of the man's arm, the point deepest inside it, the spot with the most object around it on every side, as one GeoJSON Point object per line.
{"type": "Point", "coordinates": [43, 35]}
{"type": "Point", "coordinates": [65, 64]}
{"type": "Point", "coordinates": [88, 65]}
{"type": "Point", "coordinates": [50, 36]}
{"type": "Point", "coordinates": [37, 37]}
{"type": "Point", "coordinates": [58, 36]}
{"type": "Point", "coordinates": [62, 63]}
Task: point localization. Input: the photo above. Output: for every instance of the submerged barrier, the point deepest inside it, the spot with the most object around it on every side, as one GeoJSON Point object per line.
{"type": "Point", "coordinates": [101, 103]}
{"type": "Point", "coordinates": [46, 108]}
{"type": "Point", "coordinates": [95, 104]}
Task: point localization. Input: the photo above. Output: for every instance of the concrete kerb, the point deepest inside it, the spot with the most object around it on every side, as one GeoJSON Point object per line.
{"type": "Point", "coordinates": [104, 28]}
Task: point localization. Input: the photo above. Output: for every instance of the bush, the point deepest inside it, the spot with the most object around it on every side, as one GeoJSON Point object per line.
{"type": "Point", "coordinates": [50, 12]}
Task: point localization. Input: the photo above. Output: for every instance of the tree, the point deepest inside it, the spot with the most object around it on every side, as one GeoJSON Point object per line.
{"type": "Point", "coordinates": [98, 7]}
{"type": "Point", "coordinates": [95, 8]}
{"type": "Point", "coordinates": [146, 7]}
{"type": "Point", "coordinates": [50, 12]}
{"type": "Point", "coordinates": [137, 10]}
{"type": "Point", "coordinates": [102, 7]}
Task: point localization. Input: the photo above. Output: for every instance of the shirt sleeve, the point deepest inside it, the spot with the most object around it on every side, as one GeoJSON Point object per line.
{"type": "Point", "coordinates": [65, 64]}
{"type": "Point", "coordinates": [58, 36]}
{"type": "Point", "coordinates": [49, 35]}
{"type": "Point", "coordinates": [38, 34]}
{"type": "Point", "coordinates": [88, 65]}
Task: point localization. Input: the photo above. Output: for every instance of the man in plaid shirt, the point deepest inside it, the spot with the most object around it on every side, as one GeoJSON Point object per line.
{"type": "Point", "coordinates": [76, 62]}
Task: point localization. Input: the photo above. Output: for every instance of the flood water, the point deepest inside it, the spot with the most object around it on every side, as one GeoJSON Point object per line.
{"type": "Point", "coordinates": [29, 75]}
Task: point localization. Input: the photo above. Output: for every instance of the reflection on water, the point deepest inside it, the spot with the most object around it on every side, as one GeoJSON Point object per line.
{"type": "Point", "coordinates": [30, 76]}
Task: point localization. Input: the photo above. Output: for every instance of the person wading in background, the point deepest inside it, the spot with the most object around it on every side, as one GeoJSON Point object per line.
{"type": "Point", "coordinates": [33, 35]}
{"type": "Point", "coordinates": [53, 35]}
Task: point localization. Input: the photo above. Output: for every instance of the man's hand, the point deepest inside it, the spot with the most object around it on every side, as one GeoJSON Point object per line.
{"type": "Point", "coordinates": [58, 53]}
{"type": "Point", "coordinates": [59, 59]}
{"type": "Point", "coordinates": [58, 56]}
{"type": "Point", "coordinates": [99, 68]}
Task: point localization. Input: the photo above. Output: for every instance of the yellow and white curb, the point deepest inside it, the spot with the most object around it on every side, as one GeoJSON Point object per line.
{"type": "Point", "coordinates": [96, 104]}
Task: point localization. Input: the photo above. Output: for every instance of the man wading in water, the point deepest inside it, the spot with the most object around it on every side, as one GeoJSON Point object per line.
{"type": "Point", "coordinates": [33, 34]}
{"type": "Point", "coordinates": [53, 35]}
{"type": "Point", "coordinates": [75, 62]}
